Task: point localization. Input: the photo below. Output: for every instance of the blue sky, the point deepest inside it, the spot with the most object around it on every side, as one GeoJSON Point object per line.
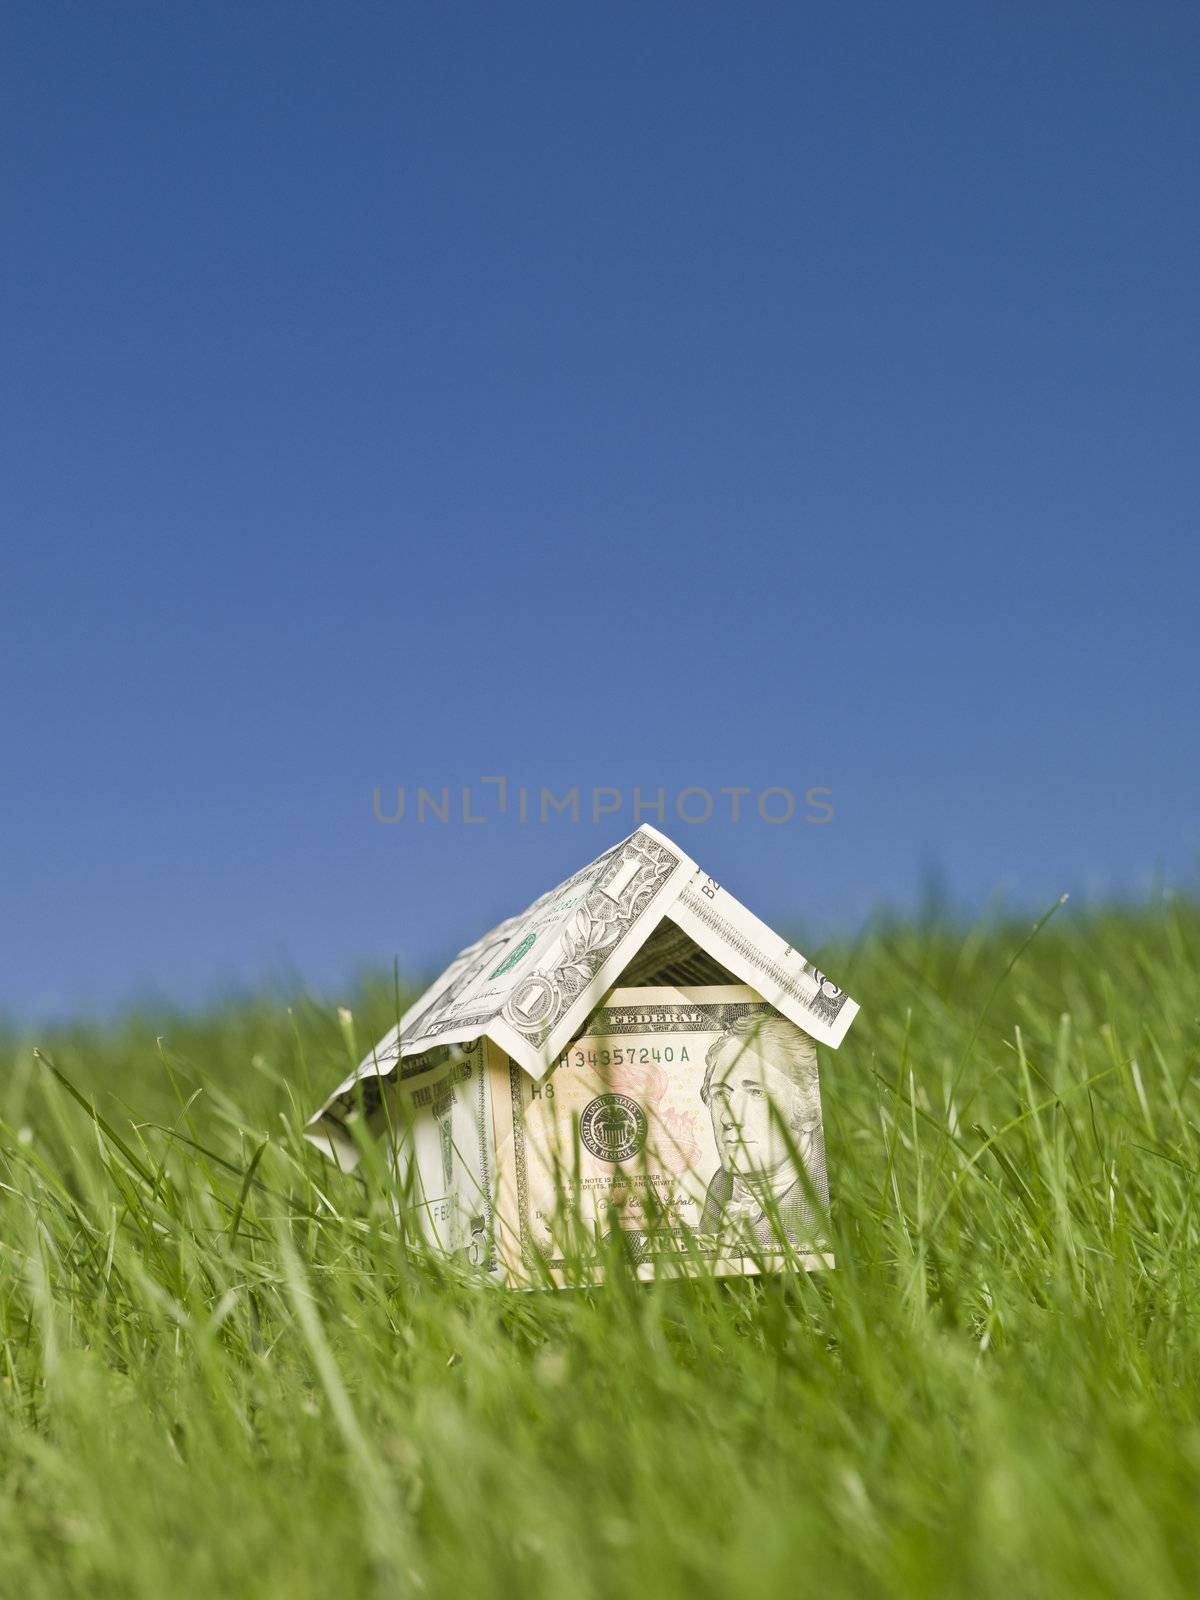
{"type": "Point", "coordinates": [612, 396]}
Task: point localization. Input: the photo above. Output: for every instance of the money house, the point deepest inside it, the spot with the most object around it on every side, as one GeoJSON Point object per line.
{"type": "Point", "coordinates": [626, 1071]}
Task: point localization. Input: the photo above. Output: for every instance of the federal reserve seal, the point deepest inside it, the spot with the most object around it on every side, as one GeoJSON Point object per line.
{"type": "Point", "coordinates": [613, 1127]}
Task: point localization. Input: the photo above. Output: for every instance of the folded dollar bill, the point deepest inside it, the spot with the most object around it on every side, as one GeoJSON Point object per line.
{"type": "Point", "coordinates": [539, 1113]}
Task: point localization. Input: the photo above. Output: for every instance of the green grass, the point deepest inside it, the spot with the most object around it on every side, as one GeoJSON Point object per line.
{"type": "Point", "coordinates": [225, 1381]}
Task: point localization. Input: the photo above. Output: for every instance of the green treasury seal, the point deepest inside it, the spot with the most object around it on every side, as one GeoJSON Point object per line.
{"type": "Point", "coordinates": [613, 1127]}
{"type": "Point", "coordinates": [511, 960]}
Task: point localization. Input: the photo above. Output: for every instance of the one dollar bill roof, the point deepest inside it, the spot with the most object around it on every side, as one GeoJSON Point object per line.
{"type": "Point", "coordinates": [642, 913]}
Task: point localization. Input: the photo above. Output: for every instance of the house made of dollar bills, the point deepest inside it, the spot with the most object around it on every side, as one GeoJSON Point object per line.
{"type": "Point", "coordinates": [627, 1071]}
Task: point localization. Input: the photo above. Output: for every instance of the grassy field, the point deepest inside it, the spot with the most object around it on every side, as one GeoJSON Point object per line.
{"type": "Point", "coordinates": [223, 1374]}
